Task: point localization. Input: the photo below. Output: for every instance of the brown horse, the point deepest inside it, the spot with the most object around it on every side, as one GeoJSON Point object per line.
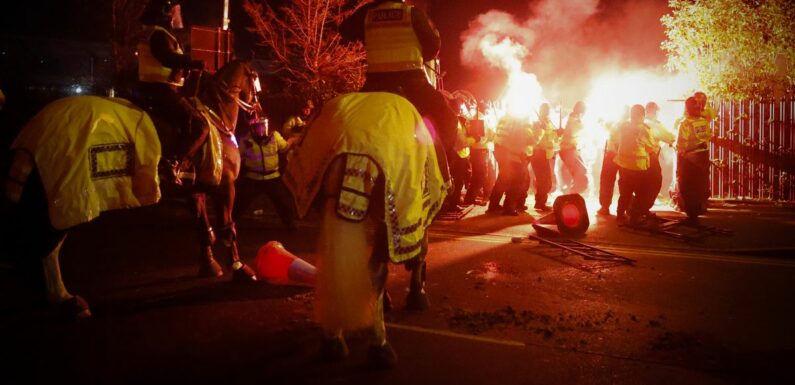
{"type": "Point", "coordinates": [80, 156]}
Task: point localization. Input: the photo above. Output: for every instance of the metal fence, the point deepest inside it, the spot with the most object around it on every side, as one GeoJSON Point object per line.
{"type": "Point", "coordinates": [754, 152]}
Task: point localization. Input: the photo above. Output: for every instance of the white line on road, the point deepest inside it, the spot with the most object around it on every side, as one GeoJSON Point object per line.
{"type": "Point", "coordinates": [519, 344]}
{"type": "Point", "coordinates": [455, 335]}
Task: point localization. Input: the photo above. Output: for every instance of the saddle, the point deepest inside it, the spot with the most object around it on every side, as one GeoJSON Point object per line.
{"type": "Point", "coordinates": [203, 165]}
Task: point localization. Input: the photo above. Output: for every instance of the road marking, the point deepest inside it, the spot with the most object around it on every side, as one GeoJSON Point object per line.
{"type": "Point", "coordinates": [450, 334]}
{"type": "Point", "coordinates": [506, 238]}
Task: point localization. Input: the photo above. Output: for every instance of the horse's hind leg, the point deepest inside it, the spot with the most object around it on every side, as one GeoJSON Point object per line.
{"type": "Point", "coordinates": [70, 307]}
{"type": "Point", "coordinates": [224, 203]}
{"type": "Point", "coordinates": [208, 266]}
{"type": "Point", "coordinates": [417, 299]}
{"type": "Point", "coordinates": [381, 354]}
{"type": "Point", "coordinates": [32, 242]}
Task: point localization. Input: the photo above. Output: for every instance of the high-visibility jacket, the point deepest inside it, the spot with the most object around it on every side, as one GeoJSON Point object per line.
{"type": "Point", "coordinates": [571, 134]}
{"type": "Point", "coordinates": [659, 132]}
{"type": "Point", "coordinates": [261, 159]}
{"type": "Point", "coordinates": [152, 70]}
{"type": "Point", "coordinates": [694, 135]}
{"type": "Point", "coordinates": [390, 40]}
{"type": "Point", "coordinates": [293, 125]}
{"type": "Point", "coordinates": [481, 143]}
{"type": "Point", "coordinates": [612, 137]}
{"type": "Point", "coordinates": [517, 137]}
{"type": "Point", "coordinates": [463, 142]}
{"type": "Point", "coordinates": [547, 137]}
{"type": "Point", "coordinates": [635, 144]}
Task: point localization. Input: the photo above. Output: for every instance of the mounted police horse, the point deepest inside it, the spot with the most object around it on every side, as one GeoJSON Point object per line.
{"type": "Point", "coordinates": [83, 155]}
{"type": "Point", "coordinates": [368, 160]}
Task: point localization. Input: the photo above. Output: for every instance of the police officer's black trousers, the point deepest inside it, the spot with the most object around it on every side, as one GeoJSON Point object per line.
{"type": "Point", "coordinates": [543, 176]}
{"type": "Point", "coordinates": [692, 172]}
{"type": "Point", "coordinates": [607, 180]}
{"type": "Point", "coordinates": [478, 158]}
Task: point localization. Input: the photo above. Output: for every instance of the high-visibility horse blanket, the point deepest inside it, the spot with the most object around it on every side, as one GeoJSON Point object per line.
{"type": "Point", "coordinates": [93, 154]}
{"type": "Point", "coordinates": [380, 134]}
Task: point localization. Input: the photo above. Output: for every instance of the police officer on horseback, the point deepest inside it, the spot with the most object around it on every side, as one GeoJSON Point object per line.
{"type": "Point", "coordinates": [399, 39]}
{"type": "Point", "coordinates": [161, 69]}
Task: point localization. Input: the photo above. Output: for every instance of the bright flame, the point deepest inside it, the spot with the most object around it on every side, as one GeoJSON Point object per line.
{"type": "Point", "coordinates": [523, 93]}
{"type": "Point", "coordinates": [614, 92]}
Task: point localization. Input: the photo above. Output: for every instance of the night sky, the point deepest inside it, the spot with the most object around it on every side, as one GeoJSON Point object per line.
{"type": "Point", "coordinates": [611, 28]}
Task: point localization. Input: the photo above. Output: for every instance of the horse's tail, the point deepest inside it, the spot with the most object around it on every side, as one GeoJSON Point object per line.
{"type": "Point", "coordinates": [345, 297]}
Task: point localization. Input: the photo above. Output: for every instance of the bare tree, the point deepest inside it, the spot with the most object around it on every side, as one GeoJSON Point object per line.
{"type": "Point", "coordinates": [307, 48]}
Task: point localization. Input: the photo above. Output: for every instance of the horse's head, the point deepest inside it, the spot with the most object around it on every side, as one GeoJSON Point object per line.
{"type": "Point", "coordinates": [234, 86]}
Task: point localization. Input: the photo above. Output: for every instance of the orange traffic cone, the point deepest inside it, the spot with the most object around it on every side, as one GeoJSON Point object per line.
{"type": "Point", "coordinates": [278, 266]}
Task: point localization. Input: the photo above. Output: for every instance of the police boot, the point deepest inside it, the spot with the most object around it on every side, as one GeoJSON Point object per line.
{"type": "Point", "coordinates": [240, 271]}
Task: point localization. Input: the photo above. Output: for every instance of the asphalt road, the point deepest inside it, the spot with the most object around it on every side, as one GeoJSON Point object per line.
{"type": "Point", "coordinates": [503, 312]}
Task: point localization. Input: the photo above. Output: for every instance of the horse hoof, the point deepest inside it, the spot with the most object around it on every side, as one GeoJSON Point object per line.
{"type": "Point", "coordinates": [418, 301]}
{"type": "Point", "coordinates": [381, 357]}
{"type": "Point", "coordinates": [333, 350]}
{"type": "Point", "coordinates": [74, 309]}
{"type": "Point", "coordinates": [210, 268]}
{"type": "Point", "coordinates": [244, 273]}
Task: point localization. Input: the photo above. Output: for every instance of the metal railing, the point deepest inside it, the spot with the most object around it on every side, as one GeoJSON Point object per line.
{"type": "Point", "coordinates": [754, 150]}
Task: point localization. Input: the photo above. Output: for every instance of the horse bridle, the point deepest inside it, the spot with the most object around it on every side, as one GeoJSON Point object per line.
{"type": "Point", "coordinates": [233, 93]}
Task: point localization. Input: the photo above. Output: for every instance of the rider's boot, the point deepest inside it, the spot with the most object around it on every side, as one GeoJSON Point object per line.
{"type": "Point", "coordinates": [196, 140]}
{"type": "Point", "coordinates": [208, 266]}
{"type": "Point", "coordinates": [240, 270]}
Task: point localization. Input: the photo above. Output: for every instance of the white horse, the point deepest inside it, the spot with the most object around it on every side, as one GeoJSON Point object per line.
{"type": "Point", "coordinates": [370, 162]}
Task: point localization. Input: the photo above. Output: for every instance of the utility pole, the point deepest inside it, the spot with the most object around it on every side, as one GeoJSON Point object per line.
{"type": "Point", "coordinates": [225, 18]}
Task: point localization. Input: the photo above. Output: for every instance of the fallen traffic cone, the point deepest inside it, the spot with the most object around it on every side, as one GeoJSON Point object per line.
{"type": "Point", "coordinates": [278, 266]}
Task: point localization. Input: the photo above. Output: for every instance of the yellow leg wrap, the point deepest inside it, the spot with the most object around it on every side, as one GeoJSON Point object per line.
{"type": "Point", "coordinates": [56, 291]}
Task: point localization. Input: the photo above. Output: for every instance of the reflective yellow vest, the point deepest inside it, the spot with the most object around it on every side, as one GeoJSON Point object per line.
{"type": "Point", "coordinates": [659, 132]}
{"type": "Point", "coordinates": [462, 142]}
{"type": "Point", "coordinates": [694, 135]}
{"type": "Point", "coordinates": [261, 160]}
{"type": "Point", "coordinates": [634, 146]}
{"type": "Point", "coordinates": [612, 137]}
{"type": "Point", "coordinates": [293, 125]}
{"type": "Point", "coordinates": [545, 131]}
{"type": "Point", "coordinates": [517, 137]}
{"type": "Point", "coordinates": [390, 40]}
{"type": "Point", "coordinates": [571, 133]}
{"type": "Point", "coordinates": [150, 69]}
